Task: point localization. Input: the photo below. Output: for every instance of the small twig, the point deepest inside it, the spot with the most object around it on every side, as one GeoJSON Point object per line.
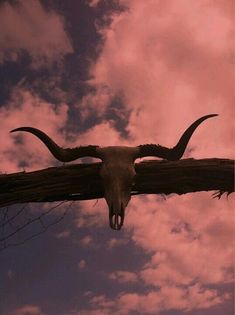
{"type": "Point", "coordinates": [13, 217]}
{"type": "Point", "coordinates": [45, 228]}
{"type": "Point", "coordinates": [21, 227]}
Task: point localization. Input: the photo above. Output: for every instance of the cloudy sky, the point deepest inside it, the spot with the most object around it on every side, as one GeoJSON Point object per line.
{"type": "Point", "coordinates": [121, 72]}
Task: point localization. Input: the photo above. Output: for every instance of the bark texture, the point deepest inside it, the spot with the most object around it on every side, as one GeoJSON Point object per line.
{"type": "Point", "coordinates": [82, 181]}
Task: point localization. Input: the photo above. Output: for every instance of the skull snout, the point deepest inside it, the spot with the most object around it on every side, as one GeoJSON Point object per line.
{"type": "Point", "coordinates": [116, 217]}
{"type": "Point", "coordinates": [117, 173]}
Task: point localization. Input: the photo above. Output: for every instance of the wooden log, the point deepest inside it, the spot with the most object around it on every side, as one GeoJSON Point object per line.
{"type": "Point", "coordinates": [82, 181]}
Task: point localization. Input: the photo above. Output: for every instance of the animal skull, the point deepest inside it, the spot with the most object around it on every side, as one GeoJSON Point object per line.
{"type": "Point", "coordinates": [117, 171]}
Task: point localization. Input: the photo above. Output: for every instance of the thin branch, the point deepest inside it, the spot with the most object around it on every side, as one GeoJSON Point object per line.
{"type": "Point", "coordinates": [23, 226]}
{"type": "Point", "coordinates": [44, 229]}
{"type": "Point", "coordinates": [9, 220]}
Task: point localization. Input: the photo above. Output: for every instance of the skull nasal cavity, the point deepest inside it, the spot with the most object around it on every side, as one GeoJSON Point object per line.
{"type": "Point", "coordinates": [116, 221]}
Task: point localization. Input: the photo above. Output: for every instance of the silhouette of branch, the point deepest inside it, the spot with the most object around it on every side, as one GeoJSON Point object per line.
{"type": "Point", "coordinates": [14, 230]}
{"type": "Point", "coordinates": [82, 181]}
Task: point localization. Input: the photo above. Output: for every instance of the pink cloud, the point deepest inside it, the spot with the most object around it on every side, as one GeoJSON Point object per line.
{"type": "Point", "coordinates": [64, 234]}
{"type": "Point", "coordinates": [93, 3]}
{"type": "Point", "coordinates": [27, 310]}
{"type": "Point", "coordinates": [113, 242]}
{"type": "Point", "coordinates": [93, 312]}
{"type": "Point", "coordinates": [184, 235]}
{"type": "Point", "coordinates": [92, 213]}
{"type": "Point", "coordinates": [154, 302]}
{"type": "Point", "coordinates": [97, 101]}
{"type": "Point", "coordinates": [188, 239]}
{"type": "Point", "coordinates": [27, 109]}
{"type": "Point", "coordinates": [101, 300]}
{"type": "Point", "coordinates": [87, 241]}
{"type": "Point", "coordinates": [27, 26]}
{"type": "Point", "coordinates": [82, 264]}
{"type": "Point", "coordinates": [95, 135]}
{"type": "Point", "coordinates": [123, 276]}
{"type": "Point", "coordinates": [171, 69]}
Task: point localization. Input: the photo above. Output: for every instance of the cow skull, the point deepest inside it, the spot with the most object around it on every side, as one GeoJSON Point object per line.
{"type": "Point", "coordinates": [117, 173]}
{"type": "Point", "coordinates": [117, 170]}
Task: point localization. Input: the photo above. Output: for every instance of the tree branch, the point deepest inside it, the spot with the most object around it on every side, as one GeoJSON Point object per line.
{"type": "Point", "coordinates": [82, 181]}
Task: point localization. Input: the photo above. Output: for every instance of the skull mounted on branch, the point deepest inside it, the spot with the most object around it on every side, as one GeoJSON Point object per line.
{"type": "Point", "coordinates": [117, 171]}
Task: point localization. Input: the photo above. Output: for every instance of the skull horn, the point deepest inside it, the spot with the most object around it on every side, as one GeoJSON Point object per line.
{"type": "Point", "coordinates": [175, 153]}
{"type": "Point", "coordinates": [63, 155]}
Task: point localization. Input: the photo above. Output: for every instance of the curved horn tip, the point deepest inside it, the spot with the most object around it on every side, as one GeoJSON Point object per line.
{"type": "Point", "coordinates": [17, 129]}
{"type": "Point", "coordinates": [211, 115]}
{"type": "Point", "coordinates": [13, 130]}
{"type": "Point", "coordinates": [202, 118]}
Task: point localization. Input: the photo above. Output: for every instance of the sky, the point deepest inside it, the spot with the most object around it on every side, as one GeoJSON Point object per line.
{"type": "Point", "coordinates": [124, 72]}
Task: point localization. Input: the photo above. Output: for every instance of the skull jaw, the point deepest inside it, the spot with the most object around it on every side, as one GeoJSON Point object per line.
{"type": "Point", "coordinates": [116, 218]}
